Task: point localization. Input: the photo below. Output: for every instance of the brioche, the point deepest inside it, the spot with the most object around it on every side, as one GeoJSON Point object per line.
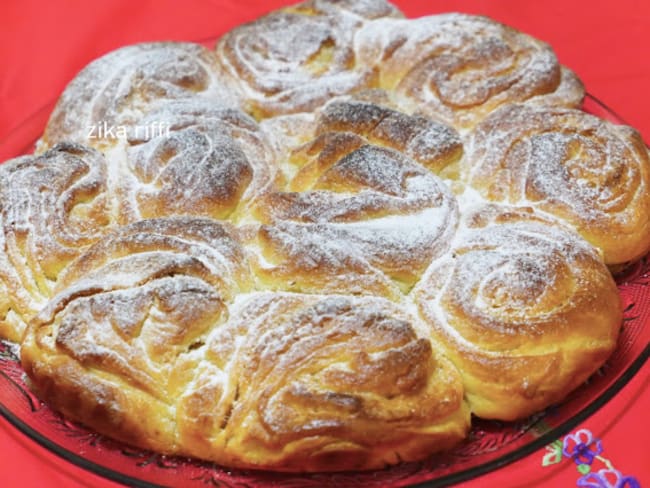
{"type": "Point", "coordinates": [589, 172]}
{"type": "Point", "coordinates": [523, 307]}
{"type": "Point", "coordinates": [458, 68]}
{"type": "Point", "coordinates": [122, 85]}
{"type": "Point", "coordinates": [211, 161]}
{"type": "Point", "coordinates": [297, 58]}
{"type": "Point", "coordinates": [54, 206]}
{"type": "Point", "coordinates": [351, 232]}
{"type": "Point", "coordinates": [357, 218]}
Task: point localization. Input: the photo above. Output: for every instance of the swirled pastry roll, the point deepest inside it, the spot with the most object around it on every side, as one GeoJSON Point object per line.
{"type": "Point", "coordinates": [210, 161]}
{"type": "Point", "coordinates": [108, 349]}
{"type": "Point", "coordinates": [117, 88]}
{"type": "Point", "coordinates": [309, 383]}
{"type": "Point", "coordinates": [288, 382]}
{"type": "Point", "coordinates": [589, 172]}
{"type": "Point", "coordinates": [323, 245]}
{"type": "Point", "coordinates": [524, 308]}
{"type": "Point", "coordinates": [458, 68]}
{"type": "Point", "coordinates": [373, 114]}
{"type": "Point", "coordinates": [53, 206]}
{"type": "Point", "coordinates": [357, 218]}
{"type": "Point", "coordinates": [297, 58]}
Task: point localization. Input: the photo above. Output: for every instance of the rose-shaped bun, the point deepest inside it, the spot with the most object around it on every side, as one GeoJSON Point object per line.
{"type": "Point", "coordinates": [297, 58]}
{"type": "Point", "coordinates": [524, 308]}
{"type": "Point", "coordinates": [209, 161]}
{"type": "Point", "coordinates": [356, 218]}
{"type": "Point", "coordinates": [458, 68]}
{"type": "Point", "coordinates": [585, 170]}
{"type": "Point", "coordinates": [298, 382]}
{"type": "Point", "coordinates": [113, 91]}
{"type": "Point", "coordinates": [52, 208]}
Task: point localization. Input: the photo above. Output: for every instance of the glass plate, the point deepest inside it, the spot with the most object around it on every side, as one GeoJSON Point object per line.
{"type": "Point", "coordinates": [490, 445]}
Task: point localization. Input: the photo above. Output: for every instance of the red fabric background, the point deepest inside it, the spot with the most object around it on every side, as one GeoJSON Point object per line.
{"type": "Point", "coordinates": [44, 43]}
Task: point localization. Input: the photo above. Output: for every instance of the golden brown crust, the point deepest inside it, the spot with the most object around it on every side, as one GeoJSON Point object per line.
{"type": "Point", "coordinates": [108, 349]}
{"type": "Point", "coordinates": [210, 161]}
{"type": "Point", "coordinates": [587, 171]}
{"type": "Point", "coordinates": [53, 207]}
{"type": "Point", "coordinates": [455, 67]}
{"type": "Point", "coordinates": [329, 289]}
{"type": "Point", "coordinates": [313, 383]}
{"type": "Point", "coordinates": [297, 58]}
{"type": "Point", "coordinates": [524, 308]}
{"type": "Point", "coordinates": [357, 218]}
{"type": "Point", "coordinates": [289, 382]}
{"type": "Point", "coordinates": [432, 144]}
{"type": "Point", "coordinates": [117, 88]}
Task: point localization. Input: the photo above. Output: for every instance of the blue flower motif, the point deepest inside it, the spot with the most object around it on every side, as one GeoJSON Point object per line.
{"type": "Point", "coordinates": [582, 447]}
{"type": "Point", "coordinates": [608, 478]}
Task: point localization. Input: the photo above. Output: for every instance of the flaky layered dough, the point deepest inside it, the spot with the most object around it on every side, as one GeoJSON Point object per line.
{"type": "Point", "coordinates": [117, 88]}
{"type": "Point", "coordinates": [589, 172]}
{"type": "Point", "coordinates": [458, 68]}
{"type": "Point", "coordinates": [148, 345]}
{"type": "Point", "coordinates": [322, 245]}
{"type": "Point", "coordinates": [211, 161]}
{"type": "Point", "coordinates": [314, 382]}
{"type": "Point", "coordinates": [434, 145]}
{"type": "Point", "coordinates": [524, 307]}
{"type": "Point", "coordinates": [357, 218]}
{"type": "Point", "coordinates": [54, 206]}
{"type": "Point", "coordinates": [297, 58]}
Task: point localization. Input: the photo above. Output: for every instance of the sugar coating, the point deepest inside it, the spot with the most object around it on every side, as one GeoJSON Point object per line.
{"type": "Point", "coordinates": [295, 59]}
{"type": "Point", "coordinates": [457, 67]}
{"type": "Point", "coordinates": [585, 170]}
{"type": "Point", "coordinates": [349, 219]}
{"type": "Point", "coordinates": [119, 87]}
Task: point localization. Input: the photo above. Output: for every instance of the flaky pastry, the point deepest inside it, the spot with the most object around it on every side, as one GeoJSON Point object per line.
{"type": "Point", "coordinates": [348, 232]}
{"type": "Point", "coordinates": [590, 172]}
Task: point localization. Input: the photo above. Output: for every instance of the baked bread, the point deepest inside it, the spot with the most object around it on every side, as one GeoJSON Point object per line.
{"type": "Point", "coordinates": [275, 380]}
{"type": "Point", "coordinates": [589, 172]}
{"type": "Point", "coordinates": [297, 58]}
{"type": "Point", "coordinates": [523, 307]}
{"type": "Point", "coordinates": [434, 145]}
{"type": "Point", "coordinates": [211, 161]}
{"type": "Point", "coordinates": [458, 68]}
{"type": "Point", "coordinates": [356, 218]}
{"type": "Point", "coordinates": [353, 231]}
{"type": "Point", "coordinates": [114, 90]}
{"type": "Point", "coordinates": [53, 207]}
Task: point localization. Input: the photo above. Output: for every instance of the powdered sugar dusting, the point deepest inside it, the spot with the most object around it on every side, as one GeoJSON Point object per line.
{"type": "Point", "coordinates": [122, 85]}
{"type": "Point", "coordinates": [290, 352]}
{"type": "Point", "coordinates": [277, 271]}
{"type": "Point", "coordinates": [136, 301]}
{"type": "Point", "coordinates": [392, 214]}
{"type": "Point", "coordinates": [295, 59]}
{"type": "Point", "coordinates": [457, 67]}
{"type": "Point", "coordinates": [504, 270]}
{"type": "Point", "coordinates": [516, 288]}
{"type": "Point", "coordinates": [214, 161]}
{"type": "Point", "coordinates": [430, 143]}
{"type": "Point", "coordinates": [568, 163]}
{"type": "Point", "coordinates": [54, 206]}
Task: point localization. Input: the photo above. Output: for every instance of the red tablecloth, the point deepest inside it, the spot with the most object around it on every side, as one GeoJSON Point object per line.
{"type": "Point", "coordinates": [44, 43]}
